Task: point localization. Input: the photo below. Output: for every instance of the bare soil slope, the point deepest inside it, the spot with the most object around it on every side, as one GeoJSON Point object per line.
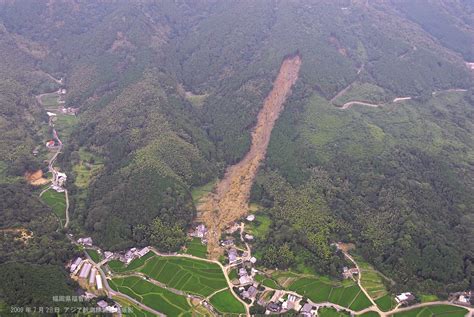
{"type": "Point", "coordinates": [229, 201]}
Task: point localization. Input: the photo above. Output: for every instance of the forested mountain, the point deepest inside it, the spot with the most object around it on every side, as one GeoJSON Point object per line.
{"type": "Point", "coordinates": [169, 92]}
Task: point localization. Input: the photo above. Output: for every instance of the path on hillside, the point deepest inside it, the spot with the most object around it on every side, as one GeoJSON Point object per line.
{"type": "Point", "coordinates": [230, 200]}
{"type": "Point", "coordinates": [351, 103]}
{"type": "Point", "coordinates": [52, 160]}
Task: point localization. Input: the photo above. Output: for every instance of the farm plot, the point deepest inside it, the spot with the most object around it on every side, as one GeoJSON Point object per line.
{"type": "Point", "coordinates": [152, 296]}
{"type": "Point", "coordinates": [94, 254]}
{"type": "Point", "coordinates": [260, 227]}
{"type": "Point", "coordinates": [386, 303]}
{"type": "Point", "coordinates": [267, 281]}
{"type": "Point", "coordinates": [226, 303]}
{"type": "Point", "coordinates": [57, 202]}
{"type": "Point", "coordinates": [347, 295]}
{"type": "Point", "coordinates": [188, 275]}
{"type": "Point", "coordinates": [435, 310]}
{"type": "Point", "coordinates": [196, 248]}
{"type": "Point", "coordinates": [375, 284]}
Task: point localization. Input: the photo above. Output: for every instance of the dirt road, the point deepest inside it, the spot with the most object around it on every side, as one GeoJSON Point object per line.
{"type": "Point", "coordinates": [230, 200]}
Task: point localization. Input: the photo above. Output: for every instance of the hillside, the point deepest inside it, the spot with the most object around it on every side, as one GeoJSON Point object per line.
{"type": "Point", "coordinates": [169, 95]}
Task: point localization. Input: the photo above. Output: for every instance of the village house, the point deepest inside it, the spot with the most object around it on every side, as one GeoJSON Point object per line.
{"type": "Point", "coordinates": [232, 253]}
{"type": "Point", "coordinates": [92, 276]}
{"type": "Point", "coordinates": [245, 279]}
{"type": "Point", "coordinates": [227, 243]}
{"type": "Point", "coordinates": [349, 273]}
{"type": "Point", "coordinates": [233, 228]}
{"type": "Point", "coordinates": [464, 298]}
{"type": "Point", "coordinates": [250, 293]}
{"type": "Point", "coordinates": [62, 91]}
{"type": "Point", "coordinates": [253, 260]}
{"type": "Point", "coordinates": [248, 237]}
{"type": "Point", "coordinates": [87, 241]}
{"type": "Point", "coordinates": [405, 298]}
{"type": "Point", "coordinates": [51, 144]}
{"type": "Point", "coordinates": [199, 232]}
{"type": "Point", "coordinates": [60, 179]}
{"type": "Point", "coordinates": [50, 114]}
{"type": "Point", "coordinates": [86, 268]}
{"type": "Point", "coordinates": [108, 254]}
{"type": "Point", "coordinates": [290, 302]}
{"type": "Point", "coordinates": [250, 218]}
{"type": "Point", "coordinates": [75, 264]}
{"type": "Point", "coordinates": [70, 111]}
{"type": "Point", "coordinates": [132, 254]}
{"type": "Point", "coordinates": [274, 307]}
{"type": "Point", "coordinates": [98, 281]}
{"type": "Point", "coordinates": [308, 310]}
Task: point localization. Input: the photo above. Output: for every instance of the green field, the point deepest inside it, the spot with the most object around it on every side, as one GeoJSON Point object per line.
{"type": "Point", "coordinates": [88, 166]}
{"type": "Point", "coordinates": [267, 281]}
{"type": "Point", "coordinates": [152, 296]}
{"type": "Point", "coordinates": [50, 100]}
{"type": "Point", "coordinates": [435, 310]}
{"type": "Point", "coordinates": [188, 275]}
{"type": "Point", "coordinates": [65, 125]}
{"type": "Point", "coordinates": [362, 92]}
{"type": "Point", "coordinates": [425, 298]}
{"type": "Point", "coordinates": [57, 201]}
{"type": "Point", "coordinates": [196, 248]}
{"type": "Point", "coordinates": [198, 192]}
{"type": "Point", "coordinates": [386, 303]}
{"type": "Point", "coordinates": [131, 310]}
{"type": "Point", "coordinates": [260, 227]}
{"type": "Point", "coordinates": [226, 303]}
{"type": "Point", "coordinates": [95, 256]}
{"type": "Point", "coordinates": [321, 290]}
{"type": "Point", "coordinates": [119, 267]}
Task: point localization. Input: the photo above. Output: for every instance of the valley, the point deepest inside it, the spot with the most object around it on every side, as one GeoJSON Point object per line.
{"type": "Point", "coordinates": [180, 159]}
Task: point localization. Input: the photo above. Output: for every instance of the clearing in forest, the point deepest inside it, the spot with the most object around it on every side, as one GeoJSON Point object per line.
{"type": "Point", "coordinates": [230, 200]}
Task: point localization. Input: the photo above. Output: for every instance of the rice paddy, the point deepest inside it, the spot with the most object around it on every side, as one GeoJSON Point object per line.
{"type": "Point", "coordinates": [188, 275]}
{"type": "Point", "coordinates": [152, 296]}
{"type": "Point", "coordinates": [435, 310]}
{"type": "Point", "coordinates": [226, 303]}
{"type": "Point", "coordinates": [320, 290]}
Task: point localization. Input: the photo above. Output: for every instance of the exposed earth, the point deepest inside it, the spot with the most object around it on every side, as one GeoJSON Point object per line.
{"type": "Point", "coordinates": [229, 201]}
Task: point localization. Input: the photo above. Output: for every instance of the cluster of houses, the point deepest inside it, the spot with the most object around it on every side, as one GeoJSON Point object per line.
{"type": "Point", "coordinates": [70, 111]}
{"type": "Point", "coordinates": [282, 302]}
{"type": "Point", "coordinates": [85, 271]}
{"type": "Point", "coordinates": [465, 298]}
{"type": "Point", "coordinates": [129, 255]}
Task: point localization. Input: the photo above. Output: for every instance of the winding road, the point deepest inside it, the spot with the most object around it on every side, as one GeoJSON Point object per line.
{"type": "Point", "coordinates": [52, 160]}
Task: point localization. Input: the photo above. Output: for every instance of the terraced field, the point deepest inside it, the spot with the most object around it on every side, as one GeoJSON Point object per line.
{"type": "Point", "coordinates": [153, 296]}
{"type": "Point", "coordinates": [435, 310]}
{"type": "Point", "coordinates": [57, 202]}
{"type": "Point", "coordinates": [188, 275]}
{"type": "Point", "coordinates": [225, 302]}
{"type": "Point", "coordinates": [374, 284]}
{"type": "Point", "coordinates": [346, 294]}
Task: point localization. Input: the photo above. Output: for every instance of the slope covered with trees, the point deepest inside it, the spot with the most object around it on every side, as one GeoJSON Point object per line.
{"type": "Point", "coordinates": [397, 180]}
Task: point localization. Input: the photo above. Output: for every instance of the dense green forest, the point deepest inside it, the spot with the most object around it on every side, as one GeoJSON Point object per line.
{"type": "Point", "coordinates": [32, 269]}
{"type": "Point", "coordinates": [396, 180]}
